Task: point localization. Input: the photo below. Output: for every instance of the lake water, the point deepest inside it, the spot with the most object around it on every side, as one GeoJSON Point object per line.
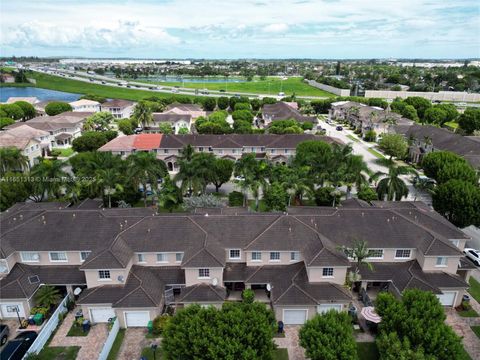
{"type": "Point", "coordinates": [40, 94]}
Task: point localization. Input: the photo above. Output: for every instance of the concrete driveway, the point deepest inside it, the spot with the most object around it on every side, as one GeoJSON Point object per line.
{"type": "Point", "coordinates": [133, 343]}
{"type": "Point", "coordinates": [291, 342]}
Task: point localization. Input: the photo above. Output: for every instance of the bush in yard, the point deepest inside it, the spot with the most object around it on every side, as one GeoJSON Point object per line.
{"type": "Point", "coordinates": [5, 121]}
{"type": "Point", "coordinates": [235, 198]}
{"type": "Point", "coordinates": [55, 153]}
{"type": "Point", "coordinates": [466, 306]}
{"type": "Point", "coordinates": [275, 197]}
{"type": "Point", "coordinates": [248, 296]}
{"type": "Point", "coordinates": [89, 141]}
{"type": "Point", "coordinates": [329, 337]}
{"type": "Point", "coordinates": [159, 324]}
{"type": "Point", "coordinates": [57, 107]}
{"type": "Point", "coordinates": [202, 201]}
{"type": "Point", "coordinates": [367, 194]}
{"type": "Point", "coordinates": [370, 136]}
{"type": "Point", "coordinates": [47, 296]}
{"type": "Point", "coordinates": [324, 196]}
{"type": "Point", "coordinates": [39, 310]}
{"type": "Point", "coordinates": [414, 325]}
{"type": "Point", "coordinates": [393, 145]}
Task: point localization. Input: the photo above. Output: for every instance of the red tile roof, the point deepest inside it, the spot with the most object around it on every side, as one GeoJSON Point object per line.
{"type": "Point", "coordinates": [147, 141]}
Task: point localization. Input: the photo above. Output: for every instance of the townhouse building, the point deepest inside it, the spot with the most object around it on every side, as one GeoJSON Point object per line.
{"type": "Point", "coordinates": [176, 121]}
{"type": "Point", "coordinates": [120, 109]}
{"type": "Point", "coordinates": [62, 128]}
{"type": "Point", "coordinates": [364, 117]}
{"type": "Point", "coordinates": [194, 110]}
{"type": "Point", "coordinates": [133, 263]}
{"type": "Point", "coordinates": [284, 111]}
{"type": "Point", "coordinates": [276, 148]}
{"type": "Point", "coordinates": [85, 105]}
{"type": "Point", "coordinates": [29, 146]}
{"type": "Point", "coordinates": [424, 139]}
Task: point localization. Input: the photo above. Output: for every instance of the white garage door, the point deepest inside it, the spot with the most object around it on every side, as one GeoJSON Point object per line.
{"type": "Point", "coordinates": [9, 310]}
{"type": "Point", "coordinates": [137, 318]}
{"type": "Point", "coordinates": [447, 298]}
{"type": "Point", "coordinates": [101, 315]}
{"type": "Point", "coordinates": [294, 316]}
{"type": "Point", "coordinates": [327, 307]}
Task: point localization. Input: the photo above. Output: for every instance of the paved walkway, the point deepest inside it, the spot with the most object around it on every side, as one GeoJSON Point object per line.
{"type": "Point", "coordinates": [133, 343]}
{"type": "Point", "coordinates": [291, 342]}
{"type": "Point", "coordinates": [91, 345]}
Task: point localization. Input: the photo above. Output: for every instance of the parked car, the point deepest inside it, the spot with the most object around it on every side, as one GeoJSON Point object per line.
{"type": "Point", "coordinates": [239, 178]}
{"type": "Point", "coordinates": [473, 255]}
{"type": "Point", "coordinates": [16, 348]}
{"type": "Point", "coordinates": [339, 128]}
{"type": "Point", "coordinates": [4, 331]}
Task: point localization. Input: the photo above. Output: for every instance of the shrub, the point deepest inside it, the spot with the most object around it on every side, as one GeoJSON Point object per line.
{"type": "Point", "coordinates": [466, 306]}
{"type": "Point", "coordinates": [55, 152]}
{"type": "Point", "coordinates": [370, 136]}
{"type": "Point", "coordinates": [242, 106]}
{"type": "Point", "coordinates": [27, 108]}
{"type": "Point", "coordinates": [235, 198]}
{"type": "Point", "coordinates": [324, 196]}
{"type": "Point", "coordinates": [13, 111]}
{"type": "Point", "coordinates": [248, 296]}
{"type": "Point", "coordinates": [5, 121]}
{"type": "Point", "coordinates": [57, 107]}
{"type": "Point", "coordinates": [39, 310]}
{"type": "Point", "coordinates": [367, 194]}
{"type": "Point", "coordinates": [159, 324]}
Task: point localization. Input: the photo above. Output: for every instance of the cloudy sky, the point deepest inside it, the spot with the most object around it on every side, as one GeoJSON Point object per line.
{"type": "Point", "coordinates": [241, 28]}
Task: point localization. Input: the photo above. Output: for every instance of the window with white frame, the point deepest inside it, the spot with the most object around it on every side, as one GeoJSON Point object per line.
{"type": "Point", "coordinates": [104, 274]}
{"type": "Point", "coordinates": [30, 256]}
{"type": "Point", "coordinates": [403, 254]}
{"type": "Point", "coordinates": [162, 257]}
{"type": "Point", "coordinates": [294, 256]}
{"type": "Point", "coordinates": [179, 257]}
{"type": "Point", "coordinates": [234, 254]}
{"type": "Point", "coordinates": [58, 256]}
{"type": "Point", "coordinates": [203, 273]}
{"type": "Point", "coordinates": [327, 272]}
{"type": "Point", "coordinates": [141, 258]}
{"type": "Point", "coordinates": [375, 253]}
{"type": "Point", "coordinates": [84, 255]}
{"type": "Point", "coordinates": [256, 256]}
{"type": "Point", "coordinates": [441, 261]}
{"type": "Point", "coordinates": [275, 256]}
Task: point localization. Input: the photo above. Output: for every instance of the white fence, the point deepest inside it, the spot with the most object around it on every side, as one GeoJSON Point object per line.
{"type": "Point", "coordinates": [331, 89]}
{"type": "Point", "coordinates": [48, 328]}
{"type": "Point", "coordinates": [439, 96]}
{"type": "Point", "coordinates": [107, 346]}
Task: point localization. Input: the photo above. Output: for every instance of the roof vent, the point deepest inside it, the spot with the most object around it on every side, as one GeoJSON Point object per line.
{"type": "Point", "coordinates": [148, 230]}
{"type": "Point", "coordinates": [206, 214]}
{"type": "Point", "coordinates": [290, 229]}
{"type": "Point", "coordinates": [43, 217]}
{"type": "Point", "coordinates": [14, 219]}
{"type": "Point", "coordinates": [73, 215]}
{"type": "Point", "coordinates": [21, 217]}
{"type": "Point", "coordinates": [388, 220]}
{"type": "Point", "coordinates": [363, 214]}
{"type": "Point", "coordinates": [44, 223]}
{"type": "Point", "coordinates": [33, 279]}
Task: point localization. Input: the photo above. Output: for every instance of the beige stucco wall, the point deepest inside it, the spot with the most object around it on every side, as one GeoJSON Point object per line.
{"type": "Point", "coordinates": [191, 276]}
{"type": "Point", "coordinates": [91, 276]}
{"type": "Point", "coordinates": [312, 310]}
{"type": "Point", "coordinates": [389, 255]}
{"type": "Point", "coordinates": [73, 258]}
{"type": "Point", "coordinates": [26, 303]}
{"type": "Point", "coordinates": [151, 259]}
{"type": "Point", "coordinates": [315, 274]}
{"type": "Point", "coordinates": [428, 263]}
{"type": "Point", "coordinates": [11, 260]}
{"type": "Point", "coordinates": [284, 259]}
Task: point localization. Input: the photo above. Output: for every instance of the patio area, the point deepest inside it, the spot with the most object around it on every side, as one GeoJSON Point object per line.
{"type": "Point", "coordinates": [260, 295]}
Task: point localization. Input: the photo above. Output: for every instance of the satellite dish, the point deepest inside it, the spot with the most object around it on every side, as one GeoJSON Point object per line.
{"type": "Point", "coordinates": [214, 281]}
{"type": "Point", "coordinates": [77, 291]}
{"type": "Point", "coordinates": [269, 287]}
{"type": "Point", "coordinates": [120, 278]}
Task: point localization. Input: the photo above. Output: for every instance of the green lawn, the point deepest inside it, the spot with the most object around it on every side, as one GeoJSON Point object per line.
{"type": "Point", "coordinates": [147, 353]}
{"type": "Point", "coordinates": [63, 353]}
{"type": "Point", "coordinates": [66, 152]}
{"type": "Point", "coordinates": [474, 289]}
{"type": "Point", "coordinates": [476, 330]}
{"type": "Point", "coordinates": [468, 313]}
{"type": "Point", "coordinates": [59, 83]}
{"type": "Point", "coordinates": [375, 153]}
{"type": "Point", "coordinates": [261, 205]}
{"type": "Point", "coordinates": [353, 138]}
{"type": "Point", "coordinates": [112, 355]}
{"type": "Point", "coordinates": [451, 124]}
{"type": "Point", "coordinates": [270, 86]}
{"type": "Point", "coordinates": [76, 330]}
{"type": "Point", "coordinates": [367, 351]}
{"type": "Point", "coordinates": [280, 354]}
{"type": "Point", "coordinates": [464, 355]}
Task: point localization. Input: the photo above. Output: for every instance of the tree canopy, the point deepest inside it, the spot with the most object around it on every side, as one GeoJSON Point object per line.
{"type": "Point", "coordinates": [57, 107]}
{"type": "Point", "coordinates": [394, 145]}
{"type": "Point", "coordinates": [469, 121]}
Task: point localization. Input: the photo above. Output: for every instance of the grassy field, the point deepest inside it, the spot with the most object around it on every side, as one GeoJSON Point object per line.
{"type": "Point", "coordinates": [375, 153]}
{"type": "Point", "coordinates": [64, 353]}
{"type": "Point", "coordinates": [468, 313]}
{"type": "Point", "coordinates": [58, 83]}
{"type": "Point", "coordinates": [76, 330]}
{"type": "Point", "coordinates": [474, 289]}
{"type": "Point", "coordinates": [112, 355]}
{"type": "Point", "coordinates": [270, 86]}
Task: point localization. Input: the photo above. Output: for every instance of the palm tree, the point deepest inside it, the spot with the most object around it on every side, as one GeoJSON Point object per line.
{"type": "Point", "coordinates": [254, 175]}
{"type": "Point", "coordinates": [143, 169]}
{"type": "Point", "coordinates": [50, 177]}
{"type": "Point", "coordinates": [391, 185]}
{"type": "Point", "coordinates": [297, 184]}
{"type": "Point", "coordinates": [47, 296]}
{"type": "Point", "coordinates": [142, 113]}
{"type": "Point", "coordinates": [108, 180]}
{"type": "Point", "coordinates": [355, 172]}
{"type": "Point", "coordinates": [12, 159]}
{"type": "Point", "coordinates": [195, 170]}
{"type": "Point", "coordinates": [170, 196]}
{"type": "Point", "coordinates": [359, 252]}
{"type": "Point", "coordinates": [338, 167]}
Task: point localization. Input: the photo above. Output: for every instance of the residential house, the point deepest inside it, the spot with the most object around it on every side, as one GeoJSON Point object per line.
{"type": "Point", "coordinates": [194, 110]}
{"type": "Point", "coordinates": [176, 121]}
{"type": "Point", "coordinates": [285, 111]}
{"type": "Point", "coordinates": [24, 131]}
{"type": "Point", "coordinates": [133, 264]}
{"type": "Point", "coordinates": [365, 118]}
{"type": "Point", "coordinates": [126, 145]}
{"type": "Point", "coordinates": [85, 105]}
{"type": "Point", "coordinates": [276, 148]}
{"type": "Point", "coordinates": [424, 139]}
{"type": "Point", "coordinates": [120, 109]}
{"type": "Point", "coordinates": [30, 147]}
{"type": "Point", "coordinates": [63, 128]}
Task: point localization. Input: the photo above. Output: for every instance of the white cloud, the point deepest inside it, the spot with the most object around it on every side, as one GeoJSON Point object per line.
{"type": "Point", "coordinates": [276, 28]}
